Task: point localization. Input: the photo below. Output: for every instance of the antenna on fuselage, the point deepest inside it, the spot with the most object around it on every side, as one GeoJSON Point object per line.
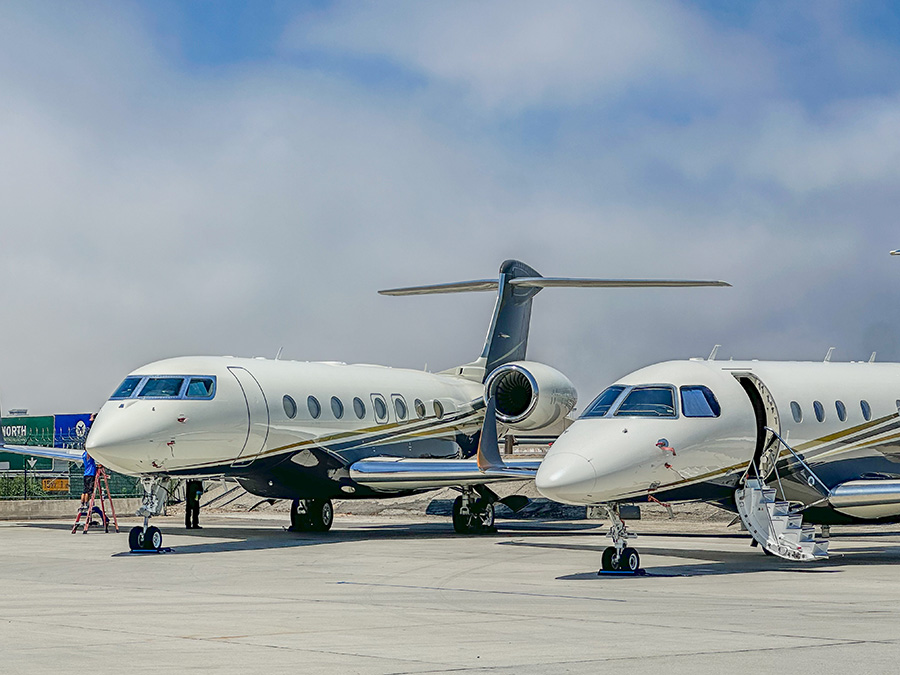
{"type": "Point", "coordinates": [278, 355]}
{"type": "Point", "coordinates": [828, 355]}
{"type": "Point", "coordinates": [712, 354]}
{"type": "Point", "coordinates": [872, 358]}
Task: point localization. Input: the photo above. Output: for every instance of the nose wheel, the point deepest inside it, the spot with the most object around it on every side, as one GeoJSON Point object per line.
{"type": "Point", "coordinates": [148, 537]}
{"type": "Point", "coordinates": [619, 558]}
{"type": "Point", "coordinates": [628, 561]}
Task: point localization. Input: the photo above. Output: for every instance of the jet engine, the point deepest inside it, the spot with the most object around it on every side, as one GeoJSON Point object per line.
{"type": "Point", "coordinates": [530, 395]}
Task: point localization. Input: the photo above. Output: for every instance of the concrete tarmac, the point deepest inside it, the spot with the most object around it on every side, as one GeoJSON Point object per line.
{"type": "Point", "coordinates": [406, 595]}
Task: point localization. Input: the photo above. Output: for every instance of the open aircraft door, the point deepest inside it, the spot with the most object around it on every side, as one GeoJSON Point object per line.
{"type": "Point", "coordinates": [257, 416]}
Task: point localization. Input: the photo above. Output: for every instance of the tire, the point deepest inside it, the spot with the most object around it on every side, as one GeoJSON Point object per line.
{"type": "Point", "coordinates": [460, 522]}
{"type": "Point", "coordinates": [484, 516]}
{"type": "Point", "coordinates": [136, 538]}
{"type": "Point", "coordinates": [630, 560]}
{"type": "Point", "coordinates": [321, 514]}
{"type": "Point", "coordinates": [606, 561]}
{"type": "Point", "coordinates": [153, 539]}
{"type": "Point", "coordinates": [299, 521]}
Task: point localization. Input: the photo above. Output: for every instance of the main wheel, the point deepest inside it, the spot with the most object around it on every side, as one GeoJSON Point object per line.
{"type": "Point", "coordinates": [461, 523]}
{"type": "Point", "coordinates": [606, 561]}
{"type": "Point", "coordinates": [484, 516]}
{"type": "Point", "coordinates": [321, 514]}
{"type": "Point", "coordinates": [153, 539]}
{"type": "Point", "coordinates": [299, 519]}
{"type": "Point", "coordinates": [630, 560]}
{"type": "Point", "coordinates": [136, 538]}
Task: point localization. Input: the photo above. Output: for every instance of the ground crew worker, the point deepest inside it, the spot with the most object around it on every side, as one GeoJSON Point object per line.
{"type": "Point", "coordinates": [193, 490]}
{"type": "Point", "coordinates": [90, 473]}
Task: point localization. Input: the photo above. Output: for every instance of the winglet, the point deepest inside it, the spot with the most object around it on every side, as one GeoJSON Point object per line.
{"type": "Point", "coordinates": [488, 447]}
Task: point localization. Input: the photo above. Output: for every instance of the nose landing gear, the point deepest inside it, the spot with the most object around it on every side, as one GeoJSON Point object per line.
{"type": "Point", "coordinates": [619, 558]}
{"type": "Point", "coordinates": [147, 537]}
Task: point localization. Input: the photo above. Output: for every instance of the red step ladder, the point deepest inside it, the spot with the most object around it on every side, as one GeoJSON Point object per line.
{"type": "Point", "coordinates": [101, 487]}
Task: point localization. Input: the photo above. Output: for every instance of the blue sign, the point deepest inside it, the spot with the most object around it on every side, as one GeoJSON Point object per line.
{"type": "Point", "coordinates": [70, 431]}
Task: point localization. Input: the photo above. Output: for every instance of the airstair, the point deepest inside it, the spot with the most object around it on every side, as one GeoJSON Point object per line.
{"type": "Point", "coordinates": [774, 524]}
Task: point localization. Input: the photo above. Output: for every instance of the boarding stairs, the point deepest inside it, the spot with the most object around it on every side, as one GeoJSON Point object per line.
{"type": "Point", "coordinates": [775, 524]}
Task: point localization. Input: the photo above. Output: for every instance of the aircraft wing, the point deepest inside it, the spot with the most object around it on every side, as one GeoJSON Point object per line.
{"type": "Point", "coordinates": [69, 455]}
{"type": "Point", "coordinates": [394, 474]}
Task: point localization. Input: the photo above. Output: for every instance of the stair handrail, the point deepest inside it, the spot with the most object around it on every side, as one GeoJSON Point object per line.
{"type": "Point", "coordinates": [801, 461]}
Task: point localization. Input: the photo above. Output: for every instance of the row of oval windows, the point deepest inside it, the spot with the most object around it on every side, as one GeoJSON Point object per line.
{"type": "Point", "coordinates": [359, 407]}
{"type": "Point", "coordinates": [839, 408]}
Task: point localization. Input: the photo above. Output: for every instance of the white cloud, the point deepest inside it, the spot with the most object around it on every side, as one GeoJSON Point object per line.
{"type": "Point", "coordinates": [521, 53]}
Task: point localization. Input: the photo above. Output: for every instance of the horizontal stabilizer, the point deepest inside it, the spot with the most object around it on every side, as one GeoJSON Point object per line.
{"type": "Point", "coordinates": [565, 282]}
{"type": "Point", "coordinates": [549, 282]}
{"type": "Point", "coordinates": [455, 287]}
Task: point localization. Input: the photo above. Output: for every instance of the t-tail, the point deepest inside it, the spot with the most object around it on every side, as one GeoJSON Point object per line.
{"type": "Point", "coordinates": [516, 286]}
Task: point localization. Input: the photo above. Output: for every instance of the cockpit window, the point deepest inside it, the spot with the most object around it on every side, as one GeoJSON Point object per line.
{"type": "Point", "coordinates": [699, 401]}
{"type": "Point", "coordinates": [654, 401]}
{"type": "Point", "coordinates": [200, 387]}
{"type": "Point", "coordinates": [161, 387]}
{"type": "Point", "coordinates": [126, 389]}
{"type": "Point", "coordinates": [603, 402]}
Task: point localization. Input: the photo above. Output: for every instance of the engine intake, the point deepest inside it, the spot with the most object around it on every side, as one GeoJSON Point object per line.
{"type": "Point", "coordinates": [530, 395]}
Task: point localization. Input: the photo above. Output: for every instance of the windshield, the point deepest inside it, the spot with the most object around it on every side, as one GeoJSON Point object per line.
{"type": "Point", "coordinates": [601, 405]}
{"type": "Point", "coordinates": [199, 387]}
{"type": "Point", "coordinates": [126, 389]}
{"type": "Point", "coordinates": [162, 387]}
{"type": "Point", "coordinates": [652, 401]}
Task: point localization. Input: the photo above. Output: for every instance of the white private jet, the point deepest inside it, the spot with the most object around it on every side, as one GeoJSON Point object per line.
{"type": "Point", "coordinates": [312, 432]}
{"type": "Point", "coordinates": [786, 445]}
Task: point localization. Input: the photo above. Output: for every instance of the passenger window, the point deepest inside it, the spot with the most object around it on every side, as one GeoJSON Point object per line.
{"type": "Point", "coordinates": [290, 406]}
{"type": "Point", "coordinates": [438, 409]}
{"type": "Point", "coordinates": [126, 389]}
{"type": "Point", "coordinates": [841, 410]}
{"type": "Point", "coordinates": [200, 387]}
{"type": "Point", "coordinates": [337, 407]}
{"type": "Point", "coordinates": [866, 410]}
{"type": "Point", "coordinates": [359, 407]}
{"type": "Point", "coordinates": [601, 405]}
{"type": "Point", "coordinates": [699, 401]}
{"type": "Point", "coordinates": [315, 409]}
{"type": "Point", "coordinates": [797, 412]}
{"type": "Point", "coordinates": [161, 387]}
{"type": "Point", "coordinates": [420, 408]}
{"type": "Point", "coordinates": [380, 408]}
{"type": "Point", "coordinates": [648, 402]}
{"type": "Point", "coordinates": [400, 407]}
{"type": "Point", "coordinates": [819, 409]}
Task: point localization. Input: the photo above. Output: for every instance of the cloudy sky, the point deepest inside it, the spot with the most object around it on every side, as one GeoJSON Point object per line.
{"type": "Point", "coordinates": [236, 177]}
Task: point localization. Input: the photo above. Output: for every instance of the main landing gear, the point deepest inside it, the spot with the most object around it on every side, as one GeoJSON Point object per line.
{"type": "Point", "coordinates": [473, 513]}
{"type": "Point", "coordinates": [148, 537]}
{"type": "Point", "coordinates": [311, 515]}
{"type": "Point", "coordinates": [619, 557]}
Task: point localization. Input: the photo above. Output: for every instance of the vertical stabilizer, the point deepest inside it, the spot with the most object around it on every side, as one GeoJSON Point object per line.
{"type": "Point", "coordinates": [507, 338]}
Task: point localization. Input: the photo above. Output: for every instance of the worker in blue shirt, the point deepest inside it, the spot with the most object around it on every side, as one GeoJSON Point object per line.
{"type": "Point", "coordinates": [90, 473]}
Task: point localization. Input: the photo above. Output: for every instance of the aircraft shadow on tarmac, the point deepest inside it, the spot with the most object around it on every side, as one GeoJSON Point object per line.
{"type": "Point", "coordinates": [252, 537]}
{"type": "Point", "coordinates": [713, 563]}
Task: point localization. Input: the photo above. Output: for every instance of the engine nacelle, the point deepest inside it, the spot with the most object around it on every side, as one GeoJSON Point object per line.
{"type": "Point", "coordinates": [530, 395]}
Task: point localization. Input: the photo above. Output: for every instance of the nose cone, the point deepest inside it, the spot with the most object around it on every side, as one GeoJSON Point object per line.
{"type": "Point", "coordinates": [566, 477]}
